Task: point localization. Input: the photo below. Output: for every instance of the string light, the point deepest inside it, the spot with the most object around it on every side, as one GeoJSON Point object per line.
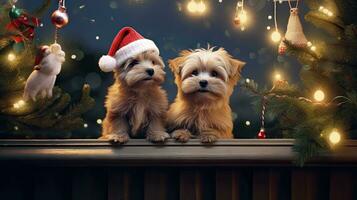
{"type": "Point", "coordinates": [277, 76]}
{"type": "Point", "coordinates": [73, 56]}
{"type": "Point", "coordinates": [268, 28]}
{"type": "Point", "coordinates": [99, 121]}
{"type": "Point", "coordinates": [247, 123]}
{"type": "Point", "coordinates": [319, 95]}
{"type": "Point", "coordinates": [326, 11]}
{"type": "Point", "coordinates": [11, 57]}
{"type": "Point", "coordinates": [313, 48]}
{"type": "Point", "coordinates": [85, 125]}
{"type": "Point", "coordinates": [19, 104]}
{"type": "Point", "coordinates": [275, 36]}
{"type": "Point", "coordinates": [194, 7]}
{"type": "Point", "coordinates": [334, 137]}
{"type": "Point", "coordinates": [247, 80]}
{"type": "Point", "coordinates": [309, 44]}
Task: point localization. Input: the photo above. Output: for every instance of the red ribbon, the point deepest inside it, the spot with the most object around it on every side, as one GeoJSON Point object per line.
{"type": "Point", "coordinates": [26, 25]}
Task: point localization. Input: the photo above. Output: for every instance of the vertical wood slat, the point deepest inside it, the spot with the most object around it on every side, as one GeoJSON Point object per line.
{"type": "Point", "coordinates": [117, 186]}
{"type": "Point", "coordinates": [265, 184]}
{"type": "Point", "coordinates": [155, 184]}
{"type": "Point", "coordinates": [52, 184]}
{"type": "Point", "coordinates": [341, 184]}
{"type": "Point", "coordinates": [189, 188]}
{"type": "Point", "coordinates": [304, 184]}
{"type": "Point", "coordinates": [227, 184]}
{"type": "Point", "coordinates": [89, 184]}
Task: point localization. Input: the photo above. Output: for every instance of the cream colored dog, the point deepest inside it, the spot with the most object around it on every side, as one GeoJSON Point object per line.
{"type": "Point", "coordinates": [205, 79]}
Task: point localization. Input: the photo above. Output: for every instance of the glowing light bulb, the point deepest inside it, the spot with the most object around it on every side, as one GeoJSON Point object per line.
{"type": "Point", "coordinates": [99, 121]}
{"type": "Point", "coordinates": [247, 123]}
{"type": "Point", "coordinates": [275, 36]}
{"type": "Point", "coordinates": [268, 28]}
{"type": "Point", "coordinates": [243, 17]}
{"type": "Point", "coordinates": [277, 76]}
{"type": "Point", "coordinates": [334, 137]}
{"type": "Point", "coordinates": [85, 125]}
{"type": "Point", "coordinates": [192, 6]}
{"type": "Point", "coordinates": [11, 57]}
{"type": "Point", "coordinates": [270, 17]}
{"type": "Point", "coordinates": [313, 48]}
{"type": "Point", "coordinates": [247, 80]}
{"type": "Point", "coordinates": [201, 7]}
{"type": "Point", "coordinates": [319, 95]}
{"type": "Point", "coordinates": [309, 44]}
{"type": "Point", "coordinates": [19, 104]}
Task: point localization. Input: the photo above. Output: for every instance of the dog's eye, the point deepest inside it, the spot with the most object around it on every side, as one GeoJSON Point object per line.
{"type": "Point", "coordinates": [153, 62]}
{"type": "Point", "coordinates": [214, 74]}
{"type": "Point", "coordinates": [194, 73]}
{"type": "Point", "coordinates": [133, 63]}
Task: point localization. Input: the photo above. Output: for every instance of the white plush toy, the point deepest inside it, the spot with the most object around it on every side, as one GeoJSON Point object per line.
{"type": "Point", "coordinates": [47, 67]}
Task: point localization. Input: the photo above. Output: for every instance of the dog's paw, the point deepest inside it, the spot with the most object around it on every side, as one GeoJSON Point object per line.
{"type": "Point", "coordinates": [116, 138]}
{"type": "Point", "coordinates": [208, 138]}
{"type": "Point", "coordinates": [158, 136]}
{"type": "Point", "coordinates": [181, 135]}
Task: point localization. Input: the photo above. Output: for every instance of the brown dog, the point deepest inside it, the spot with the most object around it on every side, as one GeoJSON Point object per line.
{"type": "Point", "coordinates": [205, 79]}
{"type": "Point", "coordinates": [135, 102]}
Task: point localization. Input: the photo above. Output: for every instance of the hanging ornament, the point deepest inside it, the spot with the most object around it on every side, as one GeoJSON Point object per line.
{"type": "Point", "coordinates": [294, 31]}
{"type": "Point", "coordinates": [48, 62]}
{"type": "Point", "coordinates": [262, 134]}
{"type": "Point", "coordinates": [59, 17]}
{"type": "Point", "coordinates": [23, 23]}
{"type": "Point", "coordinates": [240, 17]}
{"type": "Point", "coordinates": [15, 12]}
{"type": "Point", "coordinates": [275, 36]}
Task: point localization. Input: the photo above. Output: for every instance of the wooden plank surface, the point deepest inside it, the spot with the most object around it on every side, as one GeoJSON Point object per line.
{"type": "Point", "coordinates": [227, 184]}
{"type": "Point", "coordinates": [341, 184]}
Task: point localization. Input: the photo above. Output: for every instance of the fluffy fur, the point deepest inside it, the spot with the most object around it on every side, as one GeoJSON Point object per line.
{"type": "Point", "coordinates": [205, 79]}
{"type": "Point", "coordinates": [135, 103]}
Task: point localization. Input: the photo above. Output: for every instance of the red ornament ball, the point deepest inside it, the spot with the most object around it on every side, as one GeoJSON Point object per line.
{"type": "Point", "coordinates": [59, 18]}
{"type": "Point", "coordinates": [261, 134]}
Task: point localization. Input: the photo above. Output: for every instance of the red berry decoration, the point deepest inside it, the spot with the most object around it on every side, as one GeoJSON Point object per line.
{"type": "Point", "coordinates": [237, 20]}
{"type": "Point", "coordinates": [59, 17]}
{"type": "Point", "coordinates": [261, 134]}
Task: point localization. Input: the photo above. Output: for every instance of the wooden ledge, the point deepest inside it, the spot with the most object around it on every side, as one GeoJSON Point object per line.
{"type": "Point", "coordinates": [139, 152]}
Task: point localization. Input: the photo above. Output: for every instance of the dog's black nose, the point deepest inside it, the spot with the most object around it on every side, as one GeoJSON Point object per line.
{"type": "Point", "coordinates": [203, 83]}
{"type": "Point", "coordinates": [150, 71]}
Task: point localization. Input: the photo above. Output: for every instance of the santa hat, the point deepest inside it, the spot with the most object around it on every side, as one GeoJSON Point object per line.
{"type": "Point", "coordinates": [40, 54]}
{"type": "Point", "coordinates": [126, 44]}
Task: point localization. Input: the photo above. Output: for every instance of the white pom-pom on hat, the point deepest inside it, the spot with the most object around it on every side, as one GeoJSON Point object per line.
{"type": "Point", "coordinates": [107, 63]}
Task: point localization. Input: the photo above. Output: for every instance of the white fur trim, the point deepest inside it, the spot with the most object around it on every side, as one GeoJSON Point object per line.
{"type": "Point", "coordinates": [133, 49]}
{"type": "Point", "coordinates": [107, 63]}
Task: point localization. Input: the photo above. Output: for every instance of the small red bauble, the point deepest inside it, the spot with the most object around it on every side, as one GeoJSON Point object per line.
{"type": "Point", "coordinates": [261, 134]}
{"type": "Point", "coordinates": [59, 17]}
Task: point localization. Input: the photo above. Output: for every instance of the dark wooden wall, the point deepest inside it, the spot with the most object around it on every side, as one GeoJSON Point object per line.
{"type": "Point", "coordinates": [184, 183]}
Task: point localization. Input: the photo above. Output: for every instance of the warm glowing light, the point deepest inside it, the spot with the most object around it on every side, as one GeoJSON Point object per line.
{"type": "Point", "coordinates": [11, 57]}
{"type": "Point", "coordinates": [319, 95]}
{"type": "Point", "coordinates": [270, 17]}
{"type": "Point", "coordinates": [247, 123]}
{"type": "Point", "coordinates": [313, 48]}
{"type": "Point", "coordinates": [192, 6]}
{"type": "Point", "coordinates": [19, 104]}
{"type": "Point", "coordinates": [309, 44]}
{"type": "Point", "coordinates": [247, 80]}
{"type": "Point", "coordinates": [334, 137]}
{"type": "Point", "coordinates": [85, 125]}
{"type": "Point", "coordinates": [275, 36]}
{"type": "Point", "coordinates": [201, 7]}
{"type": "Point", "coordinates": [73, 56]}
{"type": "Point", "coordinates": [268, 28]}
{"type": "Point", "coordinates": [243, 17]}
{"type": "Point", "coordinates": [277, 76]}
{"type": "Point", "coordinates": [99, 121]}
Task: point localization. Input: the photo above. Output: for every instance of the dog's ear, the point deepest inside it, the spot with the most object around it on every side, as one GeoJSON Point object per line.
{"type": "Point", "coordinates": [176, 63]}
{"type": "Point", "coordinates": [236, 68]}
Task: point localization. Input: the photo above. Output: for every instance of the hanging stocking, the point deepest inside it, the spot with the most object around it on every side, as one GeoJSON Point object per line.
{"type": "Point", "coordinates": [294, 31]}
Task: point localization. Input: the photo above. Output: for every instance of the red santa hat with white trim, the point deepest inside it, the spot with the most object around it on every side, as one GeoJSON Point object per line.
{"type": "Point", "coordinates": [126, 44]}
